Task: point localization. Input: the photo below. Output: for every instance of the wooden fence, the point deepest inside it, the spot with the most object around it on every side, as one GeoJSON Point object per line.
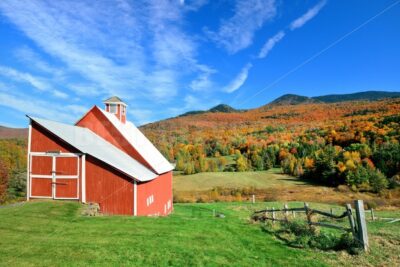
{"type": "Point", "coordinates": [357, 223]}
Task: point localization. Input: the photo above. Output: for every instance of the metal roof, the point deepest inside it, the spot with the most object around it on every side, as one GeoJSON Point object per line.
{"type": "Point", "coordinates": [113, 99]}
{"type": "Point", "coordinates": [140, 142]}
{"type": "Point", "coordinates": [90, 143]}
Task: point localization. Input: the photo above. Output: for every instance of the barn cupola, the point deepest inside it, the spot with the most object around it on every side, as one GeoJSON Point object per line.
{"type": "Point", "coordinates": [116, 106]}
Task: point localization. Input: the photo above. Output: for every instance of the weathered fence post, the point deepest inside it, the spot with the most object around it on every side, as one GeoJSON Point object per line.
{"type": "Point", "coordinates": [372, 214]}
{"type": "Point", "coordinates": [286, 211]}
{"type": "Point", "coordinates": [351, 221]}
{"type": "Point", "coordinates": [253, 199]}
{"type": "Point", "coordinates": [331, 211]}
{"type": "Point", "coordinates": [361, 224]}
{"type": "Point", "coordinates": [294, 214]}
{"type": "Point", "coordinates": [273, 214]}
{"type": "Point", "coordinates": [306, 208]}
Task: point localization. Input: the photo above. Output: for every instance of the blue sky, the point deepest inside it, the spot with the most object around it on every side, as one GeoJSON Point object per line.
{"type": "Point", "coordinates": [59, 58]}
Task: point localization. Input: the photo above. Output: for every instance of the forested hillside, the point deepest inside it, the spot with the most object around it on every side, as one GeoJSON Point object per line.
{"type": "Point", "coordinates": [354, 143]}
{"type": "Point", "coordinates": [12, 168]}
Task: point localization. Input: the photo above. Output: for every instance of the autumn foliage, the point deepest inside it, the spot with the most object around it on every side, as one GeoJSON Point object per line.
{"type": "Point", "coordinates": [353, 143]}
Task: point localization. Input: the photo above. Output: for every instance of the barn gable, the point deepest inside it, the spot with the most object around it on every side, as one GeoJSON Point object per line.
{"type": "Point", "coordinates": [143, 145]}
{"type": "Point", "coordinates": [97, 121]}
{"type": "Point", "coordinates": [127, 136]}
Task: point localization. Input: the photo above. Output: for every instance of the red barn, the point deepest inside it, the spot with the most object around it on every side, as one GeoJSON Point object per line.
{"type": "Point", "coordinates": [103, 158]}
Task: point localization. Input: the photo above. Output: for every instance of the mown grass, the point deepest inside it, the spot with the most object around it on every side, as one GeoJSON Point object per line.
{"type": "Point", "coordinates": [54, 233]}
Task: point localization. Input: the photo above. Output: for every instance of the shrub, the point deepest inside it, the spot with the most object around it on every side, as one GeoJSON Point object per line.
{"type": "Point", "coordinates": [378, 181]}
{"type": "Point", "coordinates": [298, 234]}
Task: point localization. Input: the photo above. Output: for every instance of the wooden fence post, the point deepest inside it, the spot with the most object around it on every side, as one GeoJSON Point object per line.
{"type": "Point", "coordinates": [294, 214]}
{"type": "Point", "coordinates": [253, 199]}
{"type": "Point", "coordinates": [372, 214]}
{"type": "Point", "coordinates": [286, 211]}
{"type": "Point", "coordinates": [351, 221]}
{"type": "Point", "coordinates": [273, 215]}
{"type": "Point", "coordinates": [361, 224]}
{"type": "Point", "coordinates": [306, 208]}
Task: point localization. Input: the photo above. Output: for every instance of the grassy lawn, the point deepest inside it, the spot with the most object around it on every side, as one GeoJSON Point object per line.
{"type": "Point", "coordinates": [54, 233]}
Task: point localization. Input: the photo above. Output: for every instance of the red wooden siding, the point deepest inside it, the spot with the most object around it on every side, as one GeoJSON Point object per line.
{"type": "Point", "coordinates": [106, 186]}
{"type": "Point", "coordinates": [67, 166]}
{"type": "Point", "coordinates": [42, 141]}
{"type": "Point", "coordinates": [161, 190]}
{"type": "Point", "coordinates": [66, 188]}
{"type": "Point", "coordinates": [41, 187]}
{"type": "Point", "coordinates": [42, 165]}
{"type": "Point", "coordinates": [98, 123]}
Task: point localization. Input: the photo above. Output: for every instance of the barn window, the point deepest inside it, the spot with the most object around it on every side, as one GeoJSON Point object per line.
{"type": "Point", "coordinates": [150, 200]}
{"type": "Point", "coordinates": [113, 108]}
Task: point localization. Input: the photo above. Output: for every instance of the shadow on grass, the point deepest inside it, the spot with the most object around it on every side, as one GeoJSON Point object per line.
{"type": "Point", "coordinates": [298, 235]}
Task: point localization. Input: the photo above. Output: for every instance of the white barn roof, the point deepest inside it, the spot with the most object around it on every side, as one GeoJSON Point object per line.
{"type": "Point", "coordinates": [90, 143]}
{"type": "Point", "coordinates": [140, 142]}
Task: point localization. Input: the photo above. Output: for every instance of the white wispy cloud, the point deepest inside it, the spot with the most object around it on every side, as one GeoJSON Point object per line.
{"type": "Point", "coordinates": [34, 61]}
{"type": "Point", "coordinates": [270, 44]}
{"type": "Point", "coordinates": [131, 49]}
{"type": "Point", "coordinates": [239, 80]}
{"type": "Point", "coordinates": [311, 13]}
{"type": "Point", "coordinates": [203, 80]}
{"type": "Point", "coordinates": [237, 32]}
{"type": "Point", "coordinates": [24, 77]}
{"type": "Point", "coordinates": [36, 107]}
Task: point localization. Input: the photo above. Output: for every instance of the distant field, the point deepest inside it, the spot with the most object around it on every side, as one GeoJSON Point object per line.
{"type": "Point", "coordinates": [49, 233]}
{"type": "Point", "coordinates": [209, 180]}
{"type": "Point", "coordinates": [268, 185]}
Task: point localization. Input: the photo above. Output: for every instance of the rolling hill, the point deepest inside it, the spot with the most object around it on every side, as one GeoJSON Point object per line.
{"type": "Point", "coordinates": [9, 133]}
{"type": "Point", "coordinates": [293, 99]}
{"type": "Point", "coordinates": [368, 95]}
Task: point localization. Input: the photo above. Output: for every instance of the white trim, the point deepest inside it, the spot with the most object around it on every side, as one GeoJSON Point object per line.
{"type": "Point", "coordinates": [41, 197]}
{"type": "Point", "coordinates": [61, 198]}
{"type": "Point", "coordinates": [38, 176]}
{"type": "Point", "coordinates": [117, 102]}
{"type": "Point", "coordinates": [53, 170]}
{"type": "Point", "coordinates": [28, 158]}
{"type": "Point", "coordinates": [83, 178]}
{"type": "Point", "coordinates": [135, 198]}
{"type": "Point", "coordinates": [62, 154]}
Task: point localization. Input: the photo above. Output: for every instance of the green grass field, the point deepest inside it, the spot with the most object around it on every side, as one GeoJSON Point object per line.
{"type": "Point", "coordinates": [208, 180]}
{"type": "Point", "coordinates": [51, 233]}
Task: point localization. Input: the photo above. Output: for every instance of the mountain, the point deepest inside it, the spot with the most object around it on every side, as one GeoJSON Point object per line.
{"type": "Point", "coordinates": [223, 108]}
{"type": "Point", "coordinates": [291, 99]}
{"type": "Point", "coordinates": [368, 95]}
{"type": "Point", "coordinates": [8, 133]}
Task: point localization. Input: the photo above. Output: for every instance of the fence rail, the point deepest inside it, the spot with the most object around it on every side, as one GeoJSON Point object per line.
{"type": "Point", "coordinates": [358, 226]}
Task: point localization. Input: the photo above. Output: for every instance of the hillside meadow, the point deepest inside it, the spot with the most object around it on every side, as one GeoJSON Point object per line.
{"type": "Point", "coordinates": [49, 233]}
{"type": "Point", "coordinates": [271, 185]}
